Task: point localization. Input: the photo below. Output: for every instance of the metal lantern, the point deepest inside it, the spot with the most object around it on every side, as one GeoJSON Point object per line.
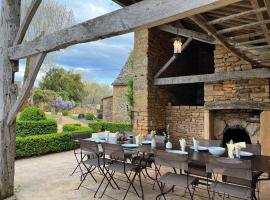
{"type": "Point", "coordinates": [177, 45]}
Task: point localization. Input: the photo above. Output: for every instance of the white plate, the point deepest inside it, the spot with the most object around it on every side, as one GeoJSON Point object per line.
{"type": "Point", "coordinates": [130, 145]}
{"type": "Point", "coordinates": [245, 154]}
{"type": "Point", "coordinates": [177, 152]}
{"type": "Point", "coordinates": [147, 142]}
{"type": "Point", "coordinates": [200, 148]}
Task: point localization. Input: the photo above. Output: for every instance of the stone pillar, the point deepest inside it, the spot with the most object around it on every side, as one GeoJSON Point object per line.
{"type": "Point", "coordinates": [208, 124]}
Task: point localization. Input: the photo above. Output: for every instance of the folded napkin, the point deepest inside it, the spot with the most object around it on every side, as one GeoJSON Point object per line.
{"type": "Point", "coordinates": [183, 144]}
{"type": "Point", "coordinates": [195, 144]}
{"type": "Point", "coordinates": [240, 145]}
{"type": "Point", "coordinates": [230, 147]}
{"type": "Point", "coordinates": [139, 139]}
{"type": "Point", "coordinates": [107, 135]}
{"type": "Point", "coordinates": [152, 134]}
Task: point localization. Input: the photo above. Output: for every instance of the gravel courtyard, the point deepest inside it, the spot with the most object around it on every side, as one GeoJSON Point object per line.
{"type": "Point", "coordinates": [48, 177]}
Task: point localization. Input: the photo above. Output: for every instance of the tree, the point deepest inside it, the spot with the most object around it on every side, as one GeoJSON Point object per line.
{"type": "Point", "coordinates": [94, 92]}
{"type": "Point", "coordinates": [63, 82]}
{"type": "Point", "coordinates": [50, 17]}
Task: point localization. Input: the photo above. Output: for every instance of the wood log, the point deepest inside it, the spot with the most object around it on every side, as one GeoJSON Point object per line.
{"type": "Point", "coordinates": [9, 23]}
{"type": "Point", "coordinates": [202, 37]}
{"type": "Point", "coordinates": [142, 15]}
{"type": "Point", "coordinates": [248, 105]}
{"type": "Point", "coordinates": [205, 78]}
{"type": "Point", "coordinates": [35, 65]}
{"type": "Point", "coordinates": [27, 20]}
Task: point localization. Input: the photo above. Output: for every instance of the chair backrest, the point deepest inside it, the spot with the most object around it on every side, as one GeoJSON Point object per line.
{"type": "Point", "coordinates": [89, 146]}
{"type": "Point", "coordinates": [80, 135]}
{"type": "Point", "coordinates": [171, 160]}
{"type": "Point", "coordinates": [229, 167]}
{"type": "Point", "coordinates": [253, 148]}
{"type": "Point", "coordinates": [145, 148]}
{"type": "Point", "coordinates": [114, 151]}
{"type": "Point", "coordinates": [209, 143]}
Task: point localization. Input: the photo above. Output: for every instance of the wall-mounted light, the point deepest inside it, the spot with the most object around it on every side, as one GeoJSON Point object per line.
{"type": "Point", "coordinates": [177, 44]}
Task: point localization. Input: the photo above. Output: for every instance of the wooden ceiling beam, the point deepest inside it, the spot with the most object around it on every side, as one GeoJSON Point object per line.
{"type": "Point", "coordinates": [262, 40]}
{"type": "Point", "coordinates": [236, 28]}
{"type": "Point", "coordinates": [142, 15]}
{"type": "Point", "coordinates": [187, 33]}
{"type": "Point", "coordinates": [202, 22]}
{"type": "Point", "coordinates": [260, 17]}
{"type": "Point", "coordinates": [26, 21]}
{"type": "Point", "coordinates": [237, 15]}
{"type": "Point", "coordinates": [267, 4]}
{"type": "Point", "coordinates": [247, 35]}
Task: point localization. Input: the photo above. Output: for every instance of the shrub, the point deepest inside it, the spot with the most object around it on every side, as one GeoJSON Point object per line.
{"type": "Point", "coordinates": [89, 116]}
{"type": "Point", "coordinates": [77, 128]}
{"type": "Point", "coordinates": [110, 126]}
{"type": "Point", "coordinates": [32, 114]}
{"type": "Point", "coordinates": [65, 112]}
{"type": "Point", "coordinates": [26, 128]}
{"type": "Point", "coordinates": [43, 144]}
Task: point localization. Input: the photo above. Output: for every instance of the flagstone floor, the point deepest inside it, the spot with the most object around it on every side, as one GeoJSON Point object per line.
{"type": "Point", "coordinates": [47, 177]}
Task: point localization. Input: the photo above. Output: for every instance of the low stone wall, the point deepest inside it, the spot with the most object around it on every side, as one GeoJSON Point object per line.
{"type": "Point", "coordinates": [185, 122]}
{"type": "Point", "coordinates": [85, 109]}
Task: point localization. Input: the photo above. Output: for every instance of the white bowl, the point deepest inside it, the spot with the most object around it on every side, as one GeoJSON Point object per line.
{"type": "Point", "coordinates": [216, 151]}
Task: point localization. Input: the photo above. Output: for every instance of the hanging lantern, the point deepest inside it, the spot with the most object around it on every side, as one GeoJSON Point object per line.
{"type": "Point", "coordinates": [177, 45]}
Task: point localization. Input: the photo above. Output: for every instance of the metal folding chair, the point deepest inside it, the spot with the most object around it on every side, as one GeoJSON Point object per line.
{"type": "Point", "coordinates": [118, 164]}
{"type": "Point", "coordinates": [175, 162]}
{"type": "Point", "coordinates": [76, 137]}
{"type": "Point", "coordinates": [231, 168]}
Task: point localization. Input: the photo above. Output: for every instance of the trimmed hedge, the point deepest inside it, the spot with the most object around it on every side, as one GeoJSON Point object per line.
{"type": "Point", "coordinates": [27, 128]}
{"type": "Point", "coordinates": [76, 127]}
{"type": "Point", "coordinates": [110, 126]}
{"type": "Point", "coordinates": [89, 116]}
{"type": "Point", "coordinates": [49, 143]}
{"type": "Point", "coordinates": [32, 114]}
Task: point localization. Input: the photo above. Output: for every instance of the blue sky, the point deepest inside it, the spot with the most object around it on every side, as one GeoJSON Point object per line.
{"type": "Point", "coordinates": [99, 61]}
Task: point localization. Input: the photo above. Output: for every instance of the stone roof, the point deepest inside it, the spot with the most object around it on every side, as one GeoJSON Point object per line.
{"type": "Point", "coordinates": [121, 79]}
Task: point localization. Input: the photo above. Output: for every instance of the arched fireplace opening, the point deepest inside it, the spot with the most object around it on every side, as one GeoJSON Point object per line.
{"type": "Point", "coordinates": [236, 135]}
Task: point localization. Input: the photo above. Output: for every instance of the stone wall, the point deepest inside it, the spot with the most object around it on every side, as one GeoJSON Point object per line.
{"type": "Point", "coordinates": [85, 109]}
{"type": "Point", "coordinates": [185, 122]}
{"type": "Point", "coordinates": [107, 105]}
{"type": "Point", "coordinates": [119, 109]}
{"type": "Point", "coordinates": [256, 90]}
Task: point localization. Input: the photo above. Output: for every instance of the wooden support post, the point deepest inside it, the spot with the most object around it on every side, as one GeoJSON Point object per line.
{"type": "Point", "coordinates": [35, 65]}
{"type": "Point", "coordinates": [264, 132]}
{"type": "Point", "coordinates": [208, 125]}
{"type": "Point", "coordinates": [9, 23]}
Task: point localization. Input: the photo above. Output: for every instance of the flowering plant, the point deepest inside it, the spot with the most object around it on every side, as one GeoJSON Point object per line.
{"type": "Point", "coordinates": [60, 105]}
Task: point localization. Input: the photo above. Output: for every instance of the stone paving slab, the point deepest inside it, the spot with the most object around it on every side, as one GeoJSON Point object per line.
{"type": "Point", "coordinates": [47, 178]}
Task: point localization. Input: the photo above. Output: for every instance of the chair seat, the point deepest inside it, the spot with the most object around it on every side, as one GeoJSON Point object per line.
{"type": "Point", "coordinates": [119, 167]}
{"type": "Point", "coordinates": [177, 179]}
{"type": "Point", "coordinates": [233, 190]}
{"type": "Point", "coordinates": [94, 162]}
{"type": "Point", "coordinates": [243, 182]}
{"type": "Point", "coordinates": [88, 153]}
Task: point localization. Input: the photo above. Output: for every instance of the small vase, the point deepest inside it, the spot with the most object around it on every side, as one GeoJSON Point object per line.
{"type": "Point", "coordinates": [168, 145]}
{"type": "Point", "coordinates": [153, 143]}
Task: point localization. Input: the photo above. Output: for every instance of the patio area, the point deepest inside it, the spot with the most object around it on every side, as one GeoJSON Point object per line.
{"type": "Point", "coordinates": [48, 177]}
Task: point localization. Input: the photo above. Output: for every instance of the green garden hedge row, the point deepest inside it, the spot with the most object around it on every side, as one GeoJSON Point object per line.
{"type": "Point", "coordinates": [76, 127]}
{"type": "Point", "coordinates": [110, 126]}
{"type": "Point", "coordinates": [27, 128]}
{"type": "Point", "coordinates": [44, 144]}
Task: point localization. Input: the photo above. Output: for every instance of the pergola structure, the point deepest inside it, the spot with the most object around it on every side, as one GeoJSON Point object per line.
{"type": "Point", "coordinates": [242, 26]}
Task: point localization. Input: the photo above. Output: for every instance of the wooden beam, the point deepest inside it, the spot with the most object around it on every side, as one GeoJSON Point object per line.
{"type": "Point", "coordinates": [260, 17]}
{"type": "Point", "coordinates": [234, 16]}
{"type": "Point", "coordinates": [142, 15]}
{"type": "Point", "coordinates": [202, 22]}
{"type": "Point", "coordinates": [35, 65]}
{"type": "Point", "coordinates": [202, 37]}
{"type": "Point", "coordinates": [267, 4]}
{"type": "Point", "coordinates": [248, 48]}
{"type": "Point", "coordinates": [263, 40]}
{"type": "Point", "coordinates": [205, 78]}
{"type": "Point", "coordinates": [229, 105]}
{"type": "Point", "coordinates": [27, 20]}
{"type": "Point", "coordinates": [172, 59]}
{"type": "Point", "coordinates": [236, 28]}
{"type": "Point", "coordinates": [247, 36]}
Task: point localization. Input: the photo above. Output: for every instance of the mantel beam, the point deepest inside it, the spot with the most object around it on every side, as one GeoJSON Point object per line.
{"type": "Point", "coordinates": [229, 105]}
{"type": "Point", "coordinates": [145, 14]}
{"type": "Point", "coordinates": [205, 78]}
{"type": "Point", "coordinates": [27, 20]}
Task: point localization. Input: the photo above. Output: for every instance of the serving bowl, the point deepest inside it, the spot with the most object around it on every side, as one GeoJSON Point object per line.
{"type": "Point", "coordinates": [217, 151]}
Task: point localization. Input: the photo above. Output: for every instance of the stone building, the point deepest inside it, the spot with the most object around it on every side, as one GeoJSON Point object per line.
{"type": "Point", "coordinates": [209, 90]}
{"type": "Point", "coordinates": [115, 107]}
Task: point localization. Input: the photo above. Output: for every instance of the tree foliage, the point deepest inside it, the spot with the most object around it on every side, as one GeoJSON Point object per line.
{"type": "Point", "coordinates": [63, 82]}
{"type": "Point", "coordinates": [94, 92]}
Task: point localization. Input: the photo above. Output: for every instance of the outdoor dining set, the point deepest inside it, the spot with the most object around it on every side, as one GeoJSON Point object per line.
{"type": "Point", "coordinates": [204, 166]}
